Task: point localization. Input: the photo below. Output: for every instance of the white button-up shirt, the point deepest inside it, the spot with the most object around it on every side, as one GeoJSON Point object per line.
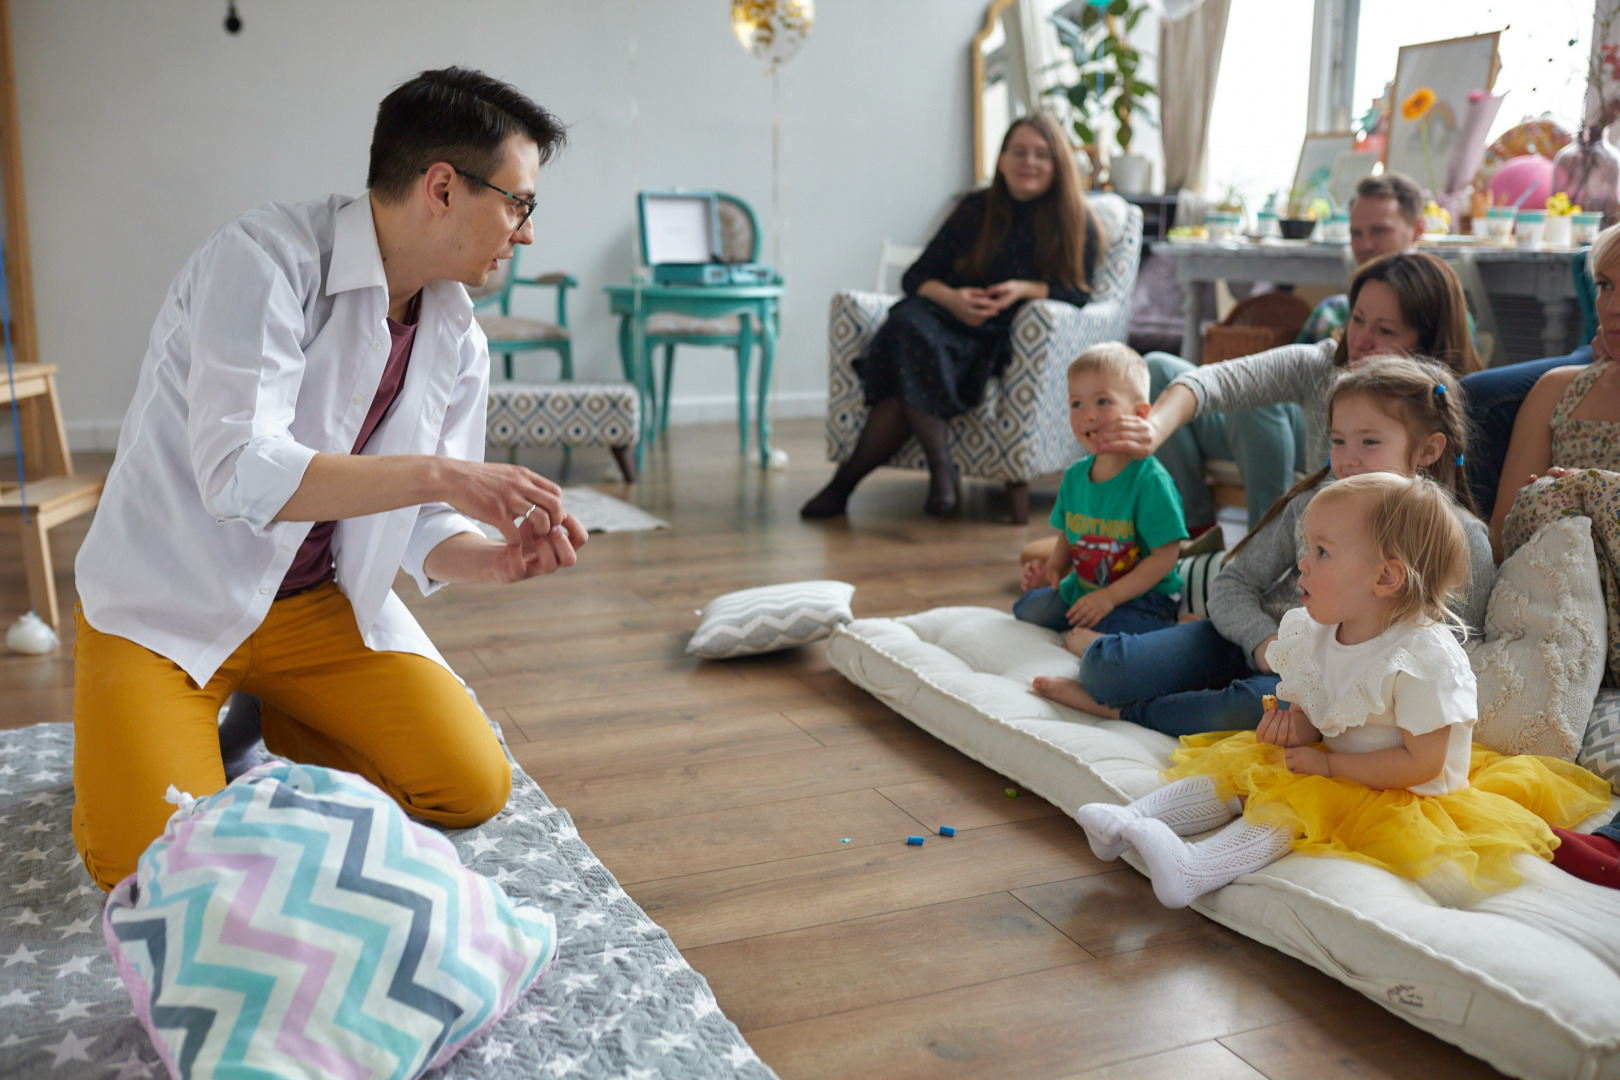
{"type": "Point", "coordinates": [268, 350]}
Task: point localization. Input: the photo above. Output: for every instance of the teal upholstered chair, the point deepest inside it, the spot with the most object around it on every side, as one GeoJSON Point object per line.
{"type": "Point", "coordinates": [1585, 294]}
{"type": "Point", "coordinates": [511, 334]}
{"type": "Point", "coordinates": [739, 242]}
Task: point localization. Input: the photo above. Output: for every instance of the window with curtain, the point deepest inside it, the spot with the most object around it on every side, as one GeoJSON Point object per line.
{"type": "Point", "coordinates": [1257, 123]}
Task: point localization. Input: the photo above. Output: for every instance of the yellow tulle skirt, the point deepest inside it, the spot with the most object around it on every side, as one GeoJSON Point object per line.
{"type": "Point", "coordinates": [1507, 808]}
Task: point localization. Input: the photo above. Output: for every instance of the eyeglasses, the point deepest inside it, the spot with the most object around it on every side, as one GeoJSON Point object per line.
{"type": "Point", "coordinates": [527, 205]}
{"type": "Point", "coordinates": [1021, 154]}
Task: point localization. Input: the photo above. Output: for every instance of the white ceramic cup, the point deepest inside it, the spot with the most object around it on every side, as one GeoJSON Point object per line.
{"type": "Point", "coordinates": [1530, 227]}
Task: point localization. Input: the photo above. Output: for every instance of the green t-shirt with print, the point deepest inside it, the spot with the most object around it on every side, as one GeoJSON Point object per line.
{"type": "Point", "coordinates": [1112, 526]}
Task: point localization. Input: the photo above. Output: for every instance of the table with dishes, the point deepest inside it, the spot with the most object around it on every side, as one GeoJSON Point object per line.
{"type": "Point", "coordinates": [1486, 268]}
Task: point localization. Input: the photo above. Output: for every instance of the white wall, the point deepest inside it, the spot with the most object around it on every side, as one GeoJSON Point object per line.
{"type": "Point", "coordinates": [145, 126]}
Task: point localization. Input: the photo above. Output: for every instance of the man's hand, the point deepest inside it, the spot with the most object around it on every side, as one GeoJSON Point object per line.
{"type": "Point", "coordinates": [466, 557]}
{"type": "Point", "coordinates": [1090, 609]}
{"type": "Point", "coordinates": [503, 496]}
{"type": "Point", "coordinates": [537, 552]}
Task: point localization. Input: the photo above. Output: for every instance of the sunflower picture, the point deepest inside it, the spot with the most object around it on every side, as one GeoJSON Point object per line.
{"type": "Point", "coordinates": [1420, 108]}
{"type": "Point", "coordinates": [1419, 103]}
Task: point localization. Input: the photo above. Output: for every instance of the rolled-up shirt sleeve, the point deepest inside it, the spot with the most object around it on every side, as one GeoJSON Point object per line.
{"type": "Point", "coordinates": [462, 436]}
{"type": "Point", "coordinates": [246, 324]}
{"type": "Point", "coordinates": [1289, 373]}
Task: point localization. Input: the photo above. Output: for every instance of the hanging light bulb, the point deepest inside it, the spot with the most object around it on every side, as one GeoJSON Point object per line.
{"type": "Point", "coordinates": [233, 21]}
{"type": "Point", "coordinates": [772, 29]}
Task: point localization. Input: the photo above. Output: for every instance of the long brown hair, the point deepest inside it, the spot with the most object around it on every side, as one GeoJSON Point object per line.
{"type": "Point", "coordinates": [1432, 303]}
{"type": "Point", "coordinates": [1060, 214]}
{"type": "Point", "coordinates": [1424, 397]}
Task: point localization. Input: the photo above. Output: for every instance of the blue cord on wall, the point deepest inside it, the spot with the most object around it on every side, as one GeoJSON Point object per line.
{"type": "Point", "coordinates": [11, 382]}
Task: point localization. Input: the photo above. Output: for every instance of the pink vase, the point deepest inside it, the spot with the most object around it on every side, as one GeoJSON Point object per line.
{"type": "Point", "coordinates": [1588, 170]}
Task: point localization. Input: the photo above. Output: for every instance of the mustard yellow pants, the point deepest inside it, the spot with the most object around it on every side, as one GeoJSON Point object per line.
{"type": "Point", "coordinates": [400, 720]}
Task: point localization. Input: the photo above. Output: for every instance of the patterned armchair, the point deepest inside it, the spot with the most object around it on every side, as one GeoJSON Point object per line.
{"type": "Point", "coordinates": [1020, 430]}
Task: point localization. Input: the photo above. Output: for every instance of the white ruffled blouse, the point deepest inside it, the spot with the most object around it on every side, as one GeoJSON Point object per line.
{"type": "Point", "coordinates": [1413, 678]}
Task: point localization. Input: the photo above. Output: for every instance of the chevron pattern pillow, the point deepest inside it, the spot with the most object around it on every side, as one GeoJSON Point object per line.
{"type": "Point", "coordinates": [771, 617]}
{"type": "Point", "coordinates": [1600, 750]}
{"type": "Point", "coordinates": [298, 924]}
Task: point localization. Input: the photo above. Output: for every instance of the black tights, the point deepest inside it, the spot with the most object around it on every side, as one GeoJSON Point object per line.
{"type": "Point", "coordinates": [887, 426]}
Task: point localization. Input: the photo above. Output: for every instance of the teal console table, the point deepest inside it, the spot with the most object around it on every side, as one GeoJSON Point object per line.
{"type": "Point", "coordinates": [634, 303]}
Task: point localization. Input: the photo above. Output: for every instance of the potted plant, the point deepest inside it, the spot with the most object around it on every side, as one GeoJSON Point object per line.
{"type": "Point", "coordinates": [1560, 216]}
{"type": "Point", "coordinates": [1301, 213]}
{"type": "Point", "coordinates": [1109, 84]}
{"type": "Point", "coordinates": [1225, 219]}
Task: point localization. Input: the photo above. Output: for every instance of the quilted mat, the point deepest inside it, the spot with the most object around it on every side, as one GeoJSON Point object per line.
{"type": "Point", "coordinates": [621, 1001]}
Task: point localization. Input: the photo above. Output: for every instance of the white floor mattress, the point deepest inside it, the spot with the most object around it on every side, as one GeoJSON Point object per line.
{"type": "Point", "coordinates": [1528, 980]}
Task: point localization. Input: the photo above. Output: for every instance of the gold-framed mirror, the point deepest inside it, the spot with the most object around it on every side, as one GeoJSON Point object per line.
{"type": "Point", "coordinates": [994, 101]}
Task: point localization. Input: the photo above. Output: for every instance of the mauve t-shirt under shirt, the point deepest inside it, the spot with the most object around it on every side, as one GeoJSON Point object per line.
{"type": "Point", "coordinates": [313, 563]}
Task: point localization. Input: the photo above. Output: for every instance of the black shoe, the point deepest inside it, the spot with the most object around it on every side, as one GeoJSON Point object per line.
{"type": "Point", "coordinates": [939, 505]}
{"type": "Point", "coordinates": [829, 502]}
{"type": "Point", "coordinates": [239, 735]}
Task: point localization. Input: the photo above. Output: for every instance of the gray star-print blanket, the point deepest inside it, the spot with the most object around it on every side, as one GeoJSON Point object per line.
{"type": "Point", "coordinates": [620, 1003]}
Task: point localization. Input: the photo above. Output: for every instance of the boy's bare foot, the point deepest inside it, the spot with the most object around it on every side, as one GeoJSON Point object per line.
{"type": "Point", "coordinates": [1077, 639]}
{"type": "Point", "coordinates": [1070, 693]}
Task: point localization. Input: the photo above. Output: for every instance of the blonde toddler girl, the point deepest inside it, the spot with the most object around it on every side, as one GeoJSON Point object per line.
{"type": "Point", "coordinates": [1373, 760]}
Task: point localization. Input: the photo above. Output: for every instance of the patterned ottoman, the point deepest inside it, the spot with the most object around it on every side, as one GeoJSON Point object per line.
{"type": "Point", "coordinates": [566, 414]}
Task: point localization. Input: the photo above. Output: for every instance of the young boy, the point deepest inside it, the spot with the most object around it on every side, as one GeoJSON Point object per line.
{"type": "Point", "coordinates": [1121, 519]}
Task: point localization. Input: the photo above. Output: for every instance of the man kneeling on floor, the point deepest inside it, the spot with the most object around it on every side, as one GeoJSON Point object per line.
{"type": "Point", "coordinates": [309, 420]}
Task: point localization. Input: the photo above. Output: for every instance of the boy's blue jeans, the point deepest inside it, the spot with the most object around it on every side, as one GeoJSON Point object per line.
{"type": "Point", "coordinates": [1045, 607]}
{"type": "Point", "coordinates": [1181, 680]}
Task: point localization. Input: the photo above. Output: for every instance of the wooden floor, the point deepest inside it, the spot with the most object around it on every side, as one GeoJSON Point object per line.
{"type": "Point", "coordinates": [721, 795]}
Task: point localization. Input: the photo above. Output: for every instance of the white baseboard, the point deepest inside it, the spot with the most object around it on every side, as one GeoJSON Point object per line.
{"type": "Point", "coordinates": [715, 408]}
{"type": "Point", "coordinates": [92, 435]}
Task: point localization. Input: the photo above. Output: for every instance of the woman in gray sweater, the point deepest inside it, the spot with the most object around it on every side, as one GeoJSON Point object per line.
{"type": "Point", "coordinates": [1408, 302]}
{"type": "Point", "coordinates": [1390, 414]}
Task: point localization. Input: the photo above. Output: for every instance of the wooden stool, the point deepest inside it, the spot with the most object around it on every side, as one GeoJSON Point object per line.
{"type": "Point", "coordinates": [55, 494]}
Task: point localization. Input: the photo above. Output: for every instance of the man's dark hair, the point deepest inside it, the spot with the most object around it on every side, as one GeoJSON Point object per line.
{"type": "Point", "coordinates": [456, 115]}
{"type": "Point", "coordinates": [1393, 185]}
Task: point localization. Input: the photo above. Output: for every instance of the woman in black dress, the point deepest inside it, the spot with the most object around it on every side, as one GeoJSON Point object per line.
{"type": "Point", "coordinates": [1025, 237]}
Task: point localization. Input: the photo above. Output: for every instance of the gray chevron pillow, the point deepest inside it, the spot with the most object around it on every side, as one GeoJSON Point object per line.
{"type": "Point", "coordinates": [1600, 751]}
{"type": "Point", "coordinates": [771, 617]}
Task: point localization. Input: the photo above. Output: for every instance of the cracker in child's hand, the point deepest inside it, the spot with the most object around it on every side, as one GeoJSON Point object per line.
{"type": "Point", "coordinates": [1268, 702]}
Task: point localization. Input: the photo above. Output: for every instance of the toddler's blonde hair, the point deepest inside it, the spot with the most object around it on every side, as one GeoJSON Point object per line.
{"type": "Point", "coordinates": [1412, 521]}
{"type": "Point", "coordinates": [1603, 251]}
{"type": "Point", "coordinates": [1118, 361]}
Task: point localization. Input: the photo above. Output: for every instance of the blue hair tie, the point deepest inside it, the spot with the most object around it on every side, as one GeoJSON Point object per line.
{"type": "Point", "coordinates": [1439, 389]}
{"type": "Point", "coordinates": [1459, 461]}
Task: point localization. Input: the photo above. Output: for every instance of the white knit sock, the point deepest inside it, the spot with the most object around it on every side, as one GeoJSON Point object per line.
{"type": "Point", "coordinates": [1187, 806]}
{"type": "Point", "coordinates": [1183, 872]}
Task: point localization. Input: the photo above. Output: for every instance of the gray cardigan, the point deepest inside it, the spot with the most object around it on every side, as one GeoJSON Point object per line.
{"type": "Point", "coordinates": [1248, 597]}
{"type": "Point", "coordinates": [1298, 373]}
